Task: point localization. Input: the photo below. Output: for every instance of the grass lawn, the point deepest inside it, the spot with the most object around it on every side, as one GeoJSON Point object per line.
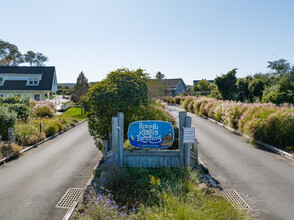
{"type": "Point", "coordinates": [75, 113]}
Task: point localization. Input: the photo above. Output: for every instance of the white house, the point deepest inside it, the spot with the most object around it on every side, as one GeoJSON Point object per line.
{"type": "Point", "coordinates": [36, 81]}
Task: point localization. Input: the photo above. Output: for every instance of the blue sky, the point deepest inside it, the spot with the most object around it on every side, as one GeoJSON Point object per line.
{"type": "Point", "coordinates": [188, 39]}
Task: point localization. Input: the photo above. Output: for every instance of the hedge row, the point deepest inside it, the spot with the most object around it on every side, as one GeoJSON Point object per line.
{"type": "Point", "coordinates": [264, 122]}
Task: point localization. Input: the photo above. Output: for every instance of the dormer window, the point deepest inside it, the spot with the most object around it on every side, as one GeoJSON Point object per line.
{"type": "Point", "coordinates": [33, 81]}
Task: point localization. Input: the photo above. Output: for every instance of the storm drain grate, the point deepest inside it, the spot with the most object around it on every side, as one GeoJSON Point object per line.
{"type": "Point", "coordinates": [72, 195]}
{"type": "Point", "coordinates": [235, 198]}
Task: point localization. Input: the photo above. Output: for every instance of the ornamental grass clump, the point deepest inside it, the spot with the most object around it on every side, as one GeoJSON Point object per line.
{"type": "Point", "coordinates": [53, 128]}
{"type": "Point", "coordinates": [188, 99]}
{"type": "Point", "coordinates": [197, 103]}
{"type": "Point", "coordinates": [233, 112]}
{"type": "Point", "coordinates": [215, 109]}
{"type": "Point", "coordinates": [255, 113]}
{"type": "Point", "coordinates": [9, 149]}
{"type": "Point", "coordinates": [178, 100]}
{"type": "Point", "coordinates": [28, 134]}
{"type": "Point", "coordinates": [274, 127]}
{"type": "Point", "coordinates": [205, 107]}
{"type": "Point", "coordinates": [191, 106]}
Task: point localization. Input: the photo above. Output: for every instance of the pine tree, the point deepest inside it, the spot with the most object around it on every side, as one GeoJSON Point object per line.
{"type": "Point", "coordinates": [81, 87]}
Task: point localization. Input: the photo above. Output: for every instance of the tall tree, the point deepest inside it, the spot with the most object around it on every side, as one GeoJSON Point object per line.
{"type": "Point", "coordinates": [243, 89]}
{"type": "Point", "coordinates": [40, 59]}
{"type": "Point", "coordinates": [203, 85]}
{"type": "Point", "coordinates": [15, 56]}
{"type": "Point", "coordinates": [9, 54]}
{"type": "Point", "coordinates": [256, 87]}
{"type": "Point", "coordinates": [80, 88]}
{"type": "Point", "coordinates": [226, 84]}
{"type": "Point", "coordinates": [4, 52]}
{"type": "Point", "coordinates": [155, 89]}
{"type": "Point", "coordinates": [29, 57]}
{"type": "Point", "coordinates": [280, 67]}
{"type": "Point", "coordinates": [159, 75]}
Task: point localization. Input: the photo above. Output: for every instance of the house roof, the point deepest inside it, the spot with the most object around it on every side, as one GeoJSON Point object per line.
{"type": "Point", "coordinates": [14, 85]}
{"type": "Point", "coordinates": [172, 83]}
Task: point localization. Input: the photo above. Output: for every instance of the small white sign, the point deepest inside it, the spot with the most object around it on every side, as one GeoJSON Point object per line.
{"type": "Point", "coordinates": [189, 135]}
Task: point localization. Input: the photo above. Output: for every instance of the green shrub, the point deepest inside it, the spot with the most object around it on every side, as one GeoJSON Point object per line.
{"type": "Point", "coordinates": [123, 90]}
{"type": "Point", "coordinates": [43, 111]}
{"type": "Point", "coordinates": [12, 99]}
{"type": "Point", "coordinates": [23, 111]}
{"type": "Point", "coordinates": [178, 100]}
{"type": "Point", "coordinates": [7, 120]}
{"type": "Point", "coordinates": [66, 122]}
{"type": "Point", "coordinates": [51, 129]}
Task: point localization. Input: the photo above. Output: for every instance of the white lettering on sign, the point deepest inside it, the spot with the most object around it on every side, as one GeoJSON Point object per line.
{"type": "Point", "coordinates": [189, 135]}
{"type": "Point", "coordinates": [149, 133]}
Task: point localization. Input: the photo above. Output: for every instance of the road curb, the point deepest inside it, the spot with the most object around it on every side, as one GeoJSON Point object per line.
{"type": "Point", "coordinates": [6, 159]}
{"type": "Point", "coordinates": [268, 146]}
{"type": "Point", "coordinates": [73, 207]}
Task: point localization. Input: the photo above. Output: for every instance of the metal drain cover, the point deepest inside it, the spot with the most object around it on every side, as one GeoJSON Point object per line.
{"type": "Point", "coordinates": [235, 198]}
{"type": "Point", "coordinates": [72, 195]}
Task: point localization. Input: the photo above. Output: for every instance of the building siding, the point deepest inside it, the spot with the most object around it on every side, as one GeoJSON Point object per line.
{"type": "Point", "coordinates": [181, 88]}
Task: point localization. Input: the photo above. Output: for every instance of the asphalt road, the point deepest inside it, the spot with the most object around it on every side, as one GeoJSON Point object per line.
{"type": "Point", "coordinates": [32, 185]}
{"type": "Point", "coordinates": [264, 179]}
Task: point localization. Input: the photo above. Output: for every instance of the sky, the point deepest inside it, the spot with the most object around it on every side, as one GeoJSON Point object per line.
{"type": "Point", "coordinates": [189, 39]}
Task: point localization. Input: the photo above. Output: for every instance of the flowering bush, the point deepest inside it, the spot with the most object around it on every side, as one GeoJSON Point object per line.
{"type": "Point", "coordinates": [42, 111]}
{"type": "Point", "coordinates": [43, 108]}
{"type": "Point", "coordinates": [100, 205]}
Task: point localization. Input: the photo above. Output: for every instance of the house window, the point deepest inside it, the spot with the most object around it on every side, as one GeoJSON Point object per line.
{"type": "Point", "coordinates": [1, 95]}
{"type": "Point", "coordinates": [1, 81]}
{"type": "Point", "coordinates": [33, 81]}
{"type": "Point", "coordinates": [37, 97]}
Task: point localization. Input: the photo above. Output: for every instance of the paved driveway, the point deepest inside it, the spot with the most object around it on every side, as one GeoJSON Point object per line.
{"type": "Point", "coordinates": [264, 179]}
{"type": "Point", "coordinates": [31, 186]}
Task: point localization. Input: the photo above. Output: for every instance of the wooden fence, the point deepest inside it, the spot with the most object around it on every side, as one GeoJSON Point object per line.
{"type": "Point", "coordinates": [113, 149]}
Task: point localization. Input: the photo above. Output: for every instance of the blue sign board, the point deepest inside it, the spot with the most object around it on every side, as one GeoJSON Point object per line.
{"type": "Point", "coordinates": [151, 134]}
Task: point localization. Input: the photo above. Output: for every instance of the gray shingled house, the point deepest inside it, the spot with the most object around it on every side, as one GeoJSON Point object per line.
{"type": "Point", "coordinates": [36, 81]}
{"type": "Point", "coordinates": [174, 86]}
